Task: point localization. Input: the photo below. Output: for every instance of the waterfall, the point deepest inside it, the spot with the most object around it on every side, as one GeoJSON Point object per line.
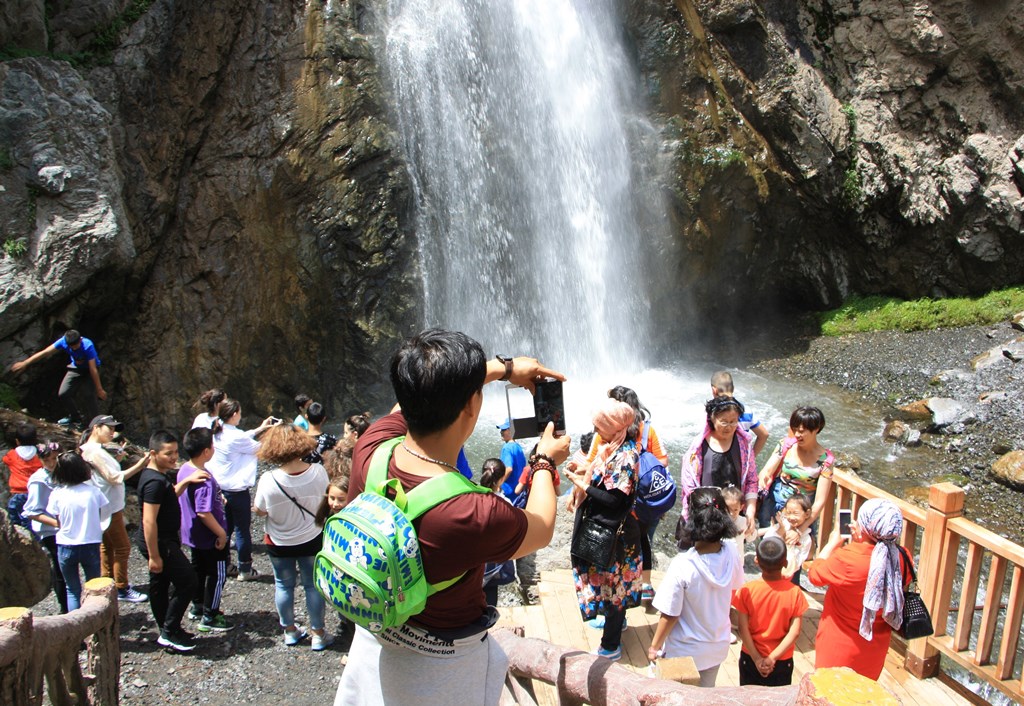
{"type": "Point", "coordinates": [520, 124]}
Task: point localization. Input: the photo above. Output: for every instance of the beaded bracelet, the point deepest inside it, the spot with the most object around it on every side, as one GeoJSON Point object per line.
{"type": "Point", "coordinates": [543, 457]}
{"type": "Point", "coordinates": [542, 465]}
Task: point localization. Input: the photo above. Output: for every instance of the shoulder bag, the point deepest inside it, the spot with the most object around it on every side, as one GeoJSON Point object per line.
{"type": "Point", "coordinates": [916, 621]}
{"type": "Point", "coordinates": [594, 542]}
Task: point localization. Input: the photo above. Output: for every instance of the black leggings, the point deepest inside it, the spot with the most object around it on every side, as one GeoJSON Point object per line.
{"type": "Point", "coordinates": [611, 638]}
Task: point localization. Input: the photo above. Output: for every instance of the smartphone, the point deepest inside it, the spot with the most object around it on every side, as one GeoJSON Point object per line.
{"type": "Point", "coordinates": [276, 420]}
{"type": "Point", "coordinates": [549, 406]}
{"type": "Point", "coordinates": [845, 517]}
{"type": "Point", "coordinates": [521, 415]}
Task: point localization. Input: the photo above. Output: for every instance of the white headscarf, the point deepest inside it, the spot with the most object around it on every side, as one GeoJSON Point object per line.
{"type": "Point", "coordinates": [881, 521]}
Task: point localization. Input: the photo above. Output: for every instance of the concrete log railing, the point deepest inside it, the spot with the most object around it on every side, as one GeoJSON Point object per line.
{"type": "Point", "coordinates": [36, 649]}
{"type": "Point", "coordinates": [584, 678]}
{"type": "Point", "coordinates": [984, 639]}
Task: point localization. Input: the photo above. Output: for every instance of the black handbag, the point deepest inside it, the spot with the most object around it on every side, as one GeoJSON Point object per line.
{"type": "Point", "coordinates": [594, 542]}
{"type": "Point", "coordinates": [916, 621]}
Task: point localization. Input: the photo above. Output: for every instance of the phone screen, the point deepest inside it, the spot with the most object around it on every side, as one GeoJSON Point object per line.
{"type": "Point", "coordinates": [845, 517]}
{"type": "Point", "coordinates": [521, 416]}
{"type": "Point", "coordinates": [549, 406]}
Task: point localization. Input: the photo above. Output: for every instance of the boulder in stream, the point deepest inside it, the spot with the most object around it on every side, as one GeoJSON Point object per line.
{"type": "Point", "coordinates": [1008, 469]}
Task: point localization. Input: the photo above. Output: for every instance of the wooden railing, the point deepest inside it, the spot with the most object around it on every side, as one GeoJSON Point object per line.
{"type": "Point", "coordinates": [36, 649]}
{"type": "Point", "coordinates": [952, 551]}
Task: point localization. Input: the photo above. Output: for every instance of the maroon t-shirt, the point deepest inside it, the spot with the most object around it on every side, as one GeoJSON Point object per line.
{"type": "Point", "coordinates": [458, 536]}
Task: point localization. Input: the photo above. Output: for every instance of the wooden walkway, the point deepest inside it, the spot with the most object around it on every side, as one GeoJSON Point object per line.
{"type": "Point", "coordinates": [557, 620]}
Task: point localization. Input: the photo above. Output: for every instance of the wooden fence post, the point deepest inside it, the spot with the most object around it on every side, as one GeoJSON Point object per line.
{"type": "Point", "coordinates": [935, 573]}
{"type": "Point", "coordinates": [15, 645]}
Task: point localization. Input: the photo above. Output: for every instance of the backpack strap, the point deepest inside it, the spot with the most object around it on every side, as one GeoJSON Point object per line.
{"type": "Point", "coordinates": [417, 501]}
{"type": "Point", "coordinates": [643, 437]}
{"type": "Point", "coordinates": [377, 473]}
{"type": "Point", "coordinates": [436, 490]}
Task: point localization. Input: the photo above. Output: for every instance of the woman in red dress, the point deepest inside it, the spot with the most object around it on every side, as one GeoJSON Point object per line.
{"type": "Point", "coordinates": [864, 602]}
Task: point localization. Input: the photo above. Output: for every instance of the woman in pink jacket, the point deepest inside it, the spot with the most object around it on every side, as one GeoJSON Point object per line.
{"type": "Point", "coordinates": [720, 456]}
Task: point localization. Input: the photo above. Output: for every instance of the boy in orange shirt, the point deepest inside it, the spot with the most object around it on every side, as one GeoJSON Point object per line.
{"type": "Point", "coordinates": [770, 610]}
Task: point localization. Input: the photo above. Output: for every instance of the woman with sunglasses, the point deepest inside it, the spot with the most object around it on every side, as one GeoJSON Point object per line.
{"type": "Point", "coordinates": [721, 456]}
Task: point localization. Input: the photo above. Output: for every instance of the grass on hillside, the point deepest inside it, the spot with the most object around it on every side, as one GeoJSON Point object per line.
{"type": "Point", "coordinates": [861, 314]}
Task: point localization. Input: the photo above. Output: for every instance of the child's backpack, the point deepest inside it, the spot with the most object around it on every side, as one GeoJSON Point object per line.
{"type": "Point", "coordinates": [656, 491]}
{"type": "Point", "coordinates": [370, 568]}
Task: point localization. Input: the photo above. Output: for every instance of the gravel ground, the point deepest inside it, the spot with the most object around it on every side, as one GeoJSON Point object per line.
{"type": "Point", "coordinates": [251, 664]}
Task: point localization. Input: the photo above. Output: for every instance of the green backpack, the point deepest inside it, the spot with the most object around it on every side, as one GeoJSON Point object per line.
{"type": "Point", "coordinates": [370, 568]}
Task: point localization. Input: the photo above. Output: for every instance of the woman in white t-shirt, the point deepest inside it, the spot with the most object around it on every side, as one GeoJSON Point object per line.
{"type": "Point", "coordinates": [109, 478]}
{"type": "Point", "coordinates": [289, 496]}
{"type": "Point", "coordinates": [695, 595]}
{"type": "Point", "coordinates": [233, 466]}
{"type": "Point", "coordinates": [74, 509]}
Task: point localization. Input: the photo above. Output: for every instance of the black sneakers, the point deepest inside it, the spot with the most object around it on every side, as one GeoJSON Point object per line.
{"type": "Point", "coordinates": [179, 641]}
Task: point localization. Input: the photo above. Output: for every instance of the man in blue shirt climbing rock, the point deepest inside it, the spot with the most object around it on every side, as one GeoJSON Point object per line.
{"type": "Point", "coordinates": [83, 368]}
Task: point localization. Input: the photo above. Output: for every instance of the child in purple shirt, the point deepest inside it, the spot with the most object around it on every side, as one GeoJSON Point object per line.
{"type": "Point", "coordinates": [203, 527]}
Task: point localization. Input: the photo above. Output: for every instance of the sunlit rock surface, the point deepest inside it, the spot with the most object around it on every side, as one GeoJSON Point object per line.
{"type": "Point", "coordinates": [219, 200]}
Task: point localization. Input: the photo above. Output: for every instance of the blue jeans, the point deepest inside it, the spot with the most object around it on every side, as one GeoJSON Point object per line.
{"type": "Point", "coordinates": [70, 557]}
{"type": "Point", "coordinates": [285, 576]}
{"type": "Point", "coordinates": [15, 504]}
{"type": "Point", "coordinates": [238, 511]}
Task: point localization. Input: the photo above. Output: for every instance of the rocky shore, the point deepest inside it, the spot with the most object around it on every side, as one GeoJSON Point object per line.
{"type": "Point", "coordinates": [957, 390]}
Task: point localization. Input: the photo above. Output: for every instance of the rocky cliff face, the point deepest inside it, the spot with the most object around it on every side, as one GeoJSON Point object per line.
{"type": "Point", "coordinates": [821, 148]}
{"type": "Point", "coordinates": [219, 206]}
{"type": "Point", "coordinates": [213, 193]}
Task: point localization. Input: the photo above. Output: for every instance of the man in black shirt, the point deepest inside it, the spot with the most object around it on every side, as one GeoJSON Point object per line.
{"type": "Point", "coordinates": [172, 580]}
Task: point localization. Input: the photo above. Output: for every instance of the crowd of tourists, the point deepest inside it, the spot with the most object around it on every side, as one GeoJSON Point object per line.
{"type": "Point", "coordinates": [73, 501]}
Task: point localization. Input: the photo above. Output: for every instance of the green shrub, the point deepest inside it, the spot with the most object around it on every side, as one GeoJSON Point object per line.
{"type": "Point", "coordinates": [15, 247]}
{"type": "Point", "coordinates": [852, 188]}
{"type": "Point", "coordinates": [859, 314]}
{"type": "Point", "coordinates": [851, 119]}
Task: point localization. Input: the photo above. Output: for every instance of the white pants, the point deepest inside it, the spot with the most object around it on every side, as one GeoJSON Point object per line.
{"type": "Point", "coordinates": [406, 665]}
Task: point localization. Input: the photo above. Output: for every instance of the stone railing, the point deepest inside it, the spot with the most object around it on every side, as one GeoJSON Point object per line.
{"type": "Point", "coordinates": [47, 648]}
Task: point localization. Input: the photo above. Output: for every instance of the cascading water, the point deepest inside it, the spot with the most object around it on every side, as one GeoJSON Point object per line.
{"type": "Point", "coordinates": [525, 141]}
{"type": "Point", "coordinates": [519, 124]}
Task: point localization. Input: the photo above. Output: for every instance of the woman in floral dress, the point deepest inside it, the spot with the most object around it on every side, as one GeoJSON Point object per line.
{"type": "Point", "coordinates": [607, 487]}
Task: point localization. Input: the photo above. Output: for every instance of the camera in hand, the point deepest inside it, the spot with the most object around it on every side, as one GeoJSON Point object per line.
{"type": "Point", "coordinates": [548, 406]}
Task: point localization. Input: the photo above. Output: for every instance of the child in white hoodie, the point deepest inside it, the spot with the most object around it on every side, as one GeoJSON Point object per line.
{"type": "Point", "coordinates": [695, 594]}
